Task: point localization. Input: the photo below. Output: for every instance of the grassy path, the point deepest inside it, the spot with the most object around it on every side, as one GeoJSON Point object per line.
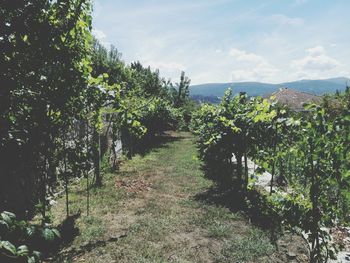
{"type": "Point", "coordinates": [150, 211]}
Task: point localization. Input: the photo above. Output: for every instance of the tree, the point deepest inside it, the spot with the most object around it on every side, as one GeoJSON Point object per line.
{"type": "Point", "coordinates": [182, 90]}
{"type": "Point", "coordinates": [45, 48]}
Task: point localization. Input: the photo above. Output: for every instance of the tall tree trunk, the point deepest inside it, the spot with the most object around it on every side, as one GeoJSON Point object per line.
{"type": "Point", "coordinates": [246, 176]}
{"type": "Point", "coordinates": [66, 185]}
{"type": "Point", "coordinates": [290, 169]}
{"type": "Point", "coordinates": [315, 256]}
{"type": "Point", "coordinates": [337, 173]}
{"type": "Point", "coordinates": [43, 191]}
{"type": "Point", "coordinates": [87, 194]}
{"type": "Point", "coordinates": [239, 170]}
{"type": "Point", "coordinates": [272, 176]}
{"type": "Point", "coordinates": [87, 171]}
{"type": "Point", "coordinates": [66, 176]}
{"type": "Point", "coordinates": [275, 142]}
{"type": "Point", "coordinates": [97, 158]}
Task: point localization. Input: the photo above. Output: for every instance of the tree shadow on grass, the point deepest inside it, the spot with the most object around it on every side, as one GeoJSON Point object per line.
{"type": "Point", "coordinates": [61, 250]}
{"type": "Point", "coordinates": [68, 253]}
{"type": "Point", "coordinates": [254, 206]}
{"type": "Point", "coordinates": [68, 231]}
{"type": "Point", "coordinates": [251, 203]}
{"type": "Point", "coordinates": [157, 142]}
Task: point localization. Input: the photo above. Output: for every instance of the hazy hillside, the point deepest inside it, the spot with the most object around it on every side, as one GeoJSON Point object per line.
{"type": "Point", "coordinates": [317, 87]}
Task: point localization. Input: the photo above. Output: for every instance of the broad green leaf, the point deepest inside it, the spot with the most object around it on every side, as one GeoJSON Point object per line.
{"type": "Point", "coordinates": [8, 248]}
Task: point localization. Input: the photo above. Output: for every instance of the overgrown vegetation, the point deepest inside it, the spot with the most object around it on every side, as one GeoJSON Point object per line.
{"type": "Point", "coordinates": [308, 153]}
{"type": "Point", "coordinates": [67, 101]}
{"type": "Point", "coordinates": [21, 242]}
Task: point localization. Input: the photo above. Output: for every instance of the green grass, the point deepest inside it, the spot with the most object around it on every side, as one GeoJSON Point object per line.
{"type": "Point", "coordinates": [219, 230]}
{"type": "Point", "coordinates": [92, 227]}
{"type": "Point", "coordinates": [166, 223]}
{"type": "Point", "coordinates": [253, 245]}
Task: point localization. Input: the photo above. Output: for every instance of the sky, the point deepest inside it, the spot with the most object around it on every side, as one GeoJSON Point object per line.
{"type": "Point", "coordinates": [271, 41]}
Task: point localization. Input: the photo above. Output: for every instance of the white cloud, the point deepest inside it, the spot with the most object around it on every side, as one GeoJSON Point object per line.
{"type": "Point", "coordinates": [101, 36]}
{"type": "Point", "coordinates": [166, 67]}
{"type": "Point", "coordinates": [264, 74]}
{"type": "Point", "coordinates": [245, 75]}
{"type": "Point", "coordinates": [315, 60]}
{"type": "Point", "coordinates": [345, 74]}
{"type": "Point", "coordinates": [243, 56]}
{"type": "Point", "coordinates": [252, 67]}
{"type": "Point", "coordinates": [286, 20]}
{"type": "Point", "coordinates": [169, 70]}
{"type": "Point", "coordinates": [316, 51]}
{"type": "Point", "coordinates": [190, 35]}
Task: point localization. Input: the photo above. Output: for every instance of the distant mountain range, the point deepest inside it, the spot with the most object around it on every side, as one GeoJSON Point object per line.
{"type": "Point", "coordinates": [316, 87]}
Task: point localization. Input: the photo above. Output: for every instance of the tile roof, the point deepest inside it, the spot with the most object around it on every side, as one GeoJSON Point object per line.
{"type": "Point", "coordinates": [294, 99]}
